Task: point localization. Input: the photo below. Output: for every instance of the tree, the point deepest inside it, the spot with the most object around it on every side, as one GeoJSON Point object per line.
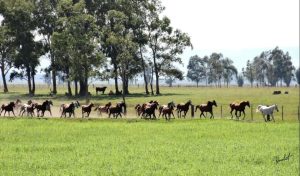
{"type": "Point", "coordinates": [18, 16]}
{"type": "Point", "coordinates": [298, 76]}
{"type": "Point", "coordinates": [229, 70]}
{"type": "Point", "coordinates": [215, 69]}
{"type": "Point", "coordinates": [6, 54]}
{"type": "Point", "coordinates": [46, 17]}
{"type": "Point", "coordinates": [249, 72]}
{"type": "Point", "coordinates": [172, 74]}
{"type": "Point", "coordinates": [197, 69]}
{"type": "Point", "coordinates": [240, 80]}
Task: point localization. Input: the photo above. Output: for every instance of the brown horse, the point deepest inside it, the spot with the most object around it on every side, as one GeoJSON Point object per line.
{"type": "Point", "coordinates": [45, 106]}
{"type": "Point", "coordinates": [183, 108]}
{"type": "Point", "coordinates": [103, 109]}
{"type": "Point", "coordinates": [69, 108]}
{"type": "Point", "coordinates": [208, 107]}
{"type": "Point", "coordinates": [239, 107]}
{"type": "Point", "coordinates": [86, 109]}
{"type": "Point", "coordinates": [167, 110]}
{"type": "Point", "coordinates": [140, 109]}
{"type": "Point", "coordinates": [116, 110]}
{"type": "Point", "coordinates": [29, 108]}
{"type": "Point", "coordinates": [8, 108]}
{"type": "Point", "coordinates": [150, 110]}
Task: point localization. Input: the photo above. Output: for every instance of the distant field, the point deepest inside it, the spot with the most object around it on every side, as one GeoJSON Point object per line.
{"type": "Point", "coordinates": [139, 147]}
{"type": "Point", "coordinates": [223, 97]}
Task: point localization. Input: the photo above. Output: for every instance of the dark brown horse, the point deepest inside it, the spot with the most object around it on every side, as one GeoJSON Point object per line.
{"type": "Point", "coordinates": [116, 110]}
{"type": "Point", "coordinates": [29, 108]}
{"type": "Point", "coordinates": [183, 108]}
{"type": "Point", "coordinates": [103, 109]}
{"type": "Point", "coordinates": [150, 110]}
{"type": "Point", "coordinates": [8, 108]}
{"type": "Point", "coordinates": [45, 106]}
{"type": "Point", "coordinates": [69, 108]}
{"type": "Point", "coordinates": [141, 109]}
{"type": "Point", "coordinates": [239, 107]}
{"type": "Point", "coordinates": [208, 107]}
{"type": "Point", "coordinates": [86, 109]}
{"type": "Point", "coordinates": [167, 110]}
{"type": "Point", "coordinates": [100, 89]}
{"type": "Point", "coordinates": [169, 105]}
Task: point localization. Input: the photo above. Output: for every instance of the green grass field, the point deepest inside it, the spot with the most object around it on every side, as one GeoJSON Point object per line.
{"type": "Point", "coordinates": [131, 146]}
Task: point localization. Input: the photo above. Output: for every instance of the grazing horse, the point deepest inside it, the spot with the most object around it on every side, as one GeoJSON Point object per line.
{"type": "Point", "coordinates": [150, 110]}
{"type": "Point", "coordinates": [239, 107]}
{"type": "Point", "coordinates": [100, 89]}
{"type": "Point", "coordinates": [45, 106]}
{"type": "Point", "coordinates": [86, 109]}
{"type": "Point", "coordinates": [104, 109]}
{"type": "Point", "coordinates": [117, 110]}
{"type": "Point", "coordinates": [183, 108]}
{"type": "Point", "coordinates": [69, 108]}
{"type": "Point", "coordinates": [167, 110]}
{"type": "Point", "coordinates": [208, 107]}
{"type": "Point", "coordinates": [267, 110]}
{"type": "Point", "coordinates": [8, 107]}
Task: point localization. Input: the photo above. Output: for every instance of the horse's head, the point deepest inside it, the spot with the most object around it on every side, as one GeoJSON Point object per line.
{"type": "Point", "coordinates": [76, 104]}
{"type": "Point", "coordinates": [12, 104]}
{"type": "Point", "coordinates": [276, 107]}
{"type": "Point", "coordinates": [92, 105]}
{"type": "Point", "coordinates": [247, 104]}
{"type": "Point", "coordinates": [197, 107]}
{"type": "Point", "coordinates": [108, 104]}
{"type": "Point", "coordinates": [171, 104]}
{"type": "Point", "coordinates": [189, 102]}
{"type": "Point", "coordinates": [50, 102]}
{"type": "Point", "coordinates": [214, 103]}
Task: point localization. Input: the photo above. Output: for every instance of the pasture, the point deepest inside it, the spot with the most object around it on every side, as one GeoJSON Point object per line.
{"type": "Point", "coordinates": [133, 146]}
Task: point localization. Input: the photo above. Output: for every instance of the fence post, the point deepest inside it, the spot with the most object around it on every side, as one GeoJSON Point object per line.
{"type": "Point", "coordinates": [251, 112]}
{"type": "Point", "coordinates": [221, 111]}
{"type": "Point", "coordinates": [192, 111]}
{"type": "Point", "coordinates": [282, 113]}
{"type": "Point", "coordinates": [298, 113]}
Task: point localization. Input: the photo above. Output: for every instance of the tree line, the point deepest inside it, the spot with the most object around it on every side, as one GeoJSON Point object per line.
{"type": "Point", "coordinates": [113, 39]}
{"type": "Point", "coordinates": [270, 68]}
{"type": "Point", "coordinates": [83, 39]}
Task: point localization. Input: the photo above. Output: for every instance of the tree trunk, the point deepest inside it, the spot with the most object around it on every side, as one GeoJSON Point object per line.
{"type": "Point", "coordinates": [33, 83]}
{"type": "Point", "coordinates": [116, 79]}
{"type": "Point", "coordinates": [156, 77]}
{"type": "Point", "coordinates": [151, 82]}
{"type": "Point", "coordinates": [69, 88]}
{"type": "Point", "coordinates": [76, 87]}
{"type": "Point", "coordinates": [197, 83]}
{"type": "Point", "coordinates": [28, 80]}
{"type": "Point", "coordinates": [144, 72]}
{"type": "Point", "coordinates": [5, 89]}
{"type": "Point", "coordinates": [54, 87]}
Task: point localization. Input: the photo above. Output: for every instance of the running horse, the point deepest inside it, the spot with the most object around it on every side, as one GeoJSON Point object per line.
{"type": "Point", "coordinates": [45, 106]}
{"type": "Point", "coordinates": [116, 110]}
{"type": "Point", "coordinates": [69, 108]}
{"type": "Point", "coordinates": [208, 107]}
{"type": "Point", "coordinates": [167, 110]}
{"type": "Point", "coordinates": [239, 107]}
{"type": "Point", "coordinates": [9, 107]}
{"type": "Point", "coordinates": [150, 110]}
{"type": "Point", "coordinates": [183, 108]}
{"type": "Point", "coordinates": [267, 110]}
{"type": "Point", "coordinates": [86, 109]}
{"type": "Point", "coordinates": [104, 108]}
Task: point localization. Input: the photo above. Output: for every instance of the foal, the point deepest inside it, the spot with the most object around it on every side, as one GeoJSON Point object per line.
{"type": "Point", "coordinates": [239, 107]}
{"type": "Point", "coordinates": [86, 109]}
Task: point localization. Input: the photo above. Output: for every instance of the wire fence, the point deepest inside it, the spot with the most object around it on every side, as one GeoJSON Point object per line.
{"type": "Point", "coordinates": [223, 112]}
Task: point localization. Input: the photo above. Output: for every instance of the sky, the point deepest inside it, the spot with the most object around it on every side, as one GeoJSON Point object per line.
{"type": "Point", "coordinates": [239, 29]}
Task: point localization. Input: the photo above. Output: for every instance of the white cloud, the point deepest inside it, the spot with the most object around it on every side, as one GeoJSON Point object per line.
{"type": "Point", "coordinates": [236, 24]}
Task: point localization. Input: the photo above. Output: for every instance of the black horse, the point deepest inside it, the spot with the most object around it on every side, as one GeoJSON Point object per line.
{"type": "Point", "coordinates": [45, 106]}
{"type": "Point", "coordinates": [208, 107]}
{"type": "Point", "coordinates": [8, 108]}
{"type": "Point", "coordinates": [69, 108]}
{"type": "Point", "coordinates": [116, 110]}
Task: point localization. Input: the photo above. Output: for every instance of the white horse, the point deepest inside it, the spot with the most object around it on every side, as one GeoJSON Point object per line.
{"type": "Point", "coordinates": [267, 110]}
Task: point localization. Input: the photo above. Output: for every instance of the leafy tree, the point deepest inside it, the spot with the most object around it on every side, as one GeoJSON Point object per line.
{"type": "Point", "coordinates": [18, 16]}
{"type": "Point", "coordinates": [172, 74]}
{"type": "Point", "coordinates": [215, 69]}
{"type": "Point", "coordinates": [6, 54]}
{"type": "Point", "coordinates": [197, 69]}
{"type": "Point", "coordinates": [229, 70]}
{"type": "Point", "coordinates": [249, 72]}
{"type": "Point", "coordinates": [298, 76]}
{"type": "Point", "coordinates": [240, 80]}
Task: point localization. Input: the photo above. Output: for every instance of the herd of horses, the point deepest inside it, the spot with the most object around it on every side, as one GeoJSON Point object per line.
{"type": "Point", "coordinates": [146, 110]}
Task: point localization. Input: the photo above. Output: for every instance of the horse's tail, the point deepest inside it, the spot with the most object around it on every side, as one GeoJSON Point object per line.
{"type": "Point", "coordinates": [197, 108]}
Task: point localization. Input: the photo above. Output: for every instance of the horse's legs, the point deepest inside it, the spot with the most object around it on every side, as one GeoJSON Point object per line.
{"type": "Point", "coordinates": [15, 115]}
{"type": "Point", "coordinates": [173, 115]}
{"type": "Point", "coordinates": [273, 117]}
{"type": "Point", "coordinates": [231, 113]}
{"type": "Point", "coordinates": [50, 112]}
{"type": "Point", "coordinates": [212, 115]}
{"type": "Point", "coordinates": [244, 114]}
{"type": "Point", "coordinates": [264, 118]}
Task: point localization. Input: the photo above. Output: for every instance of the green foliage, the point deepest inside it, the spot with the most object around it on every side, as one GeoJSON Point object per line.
{"type": "Point", "coordinates": [298, 76]}
{"type": "Point", "coordinates": [240, 80]}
